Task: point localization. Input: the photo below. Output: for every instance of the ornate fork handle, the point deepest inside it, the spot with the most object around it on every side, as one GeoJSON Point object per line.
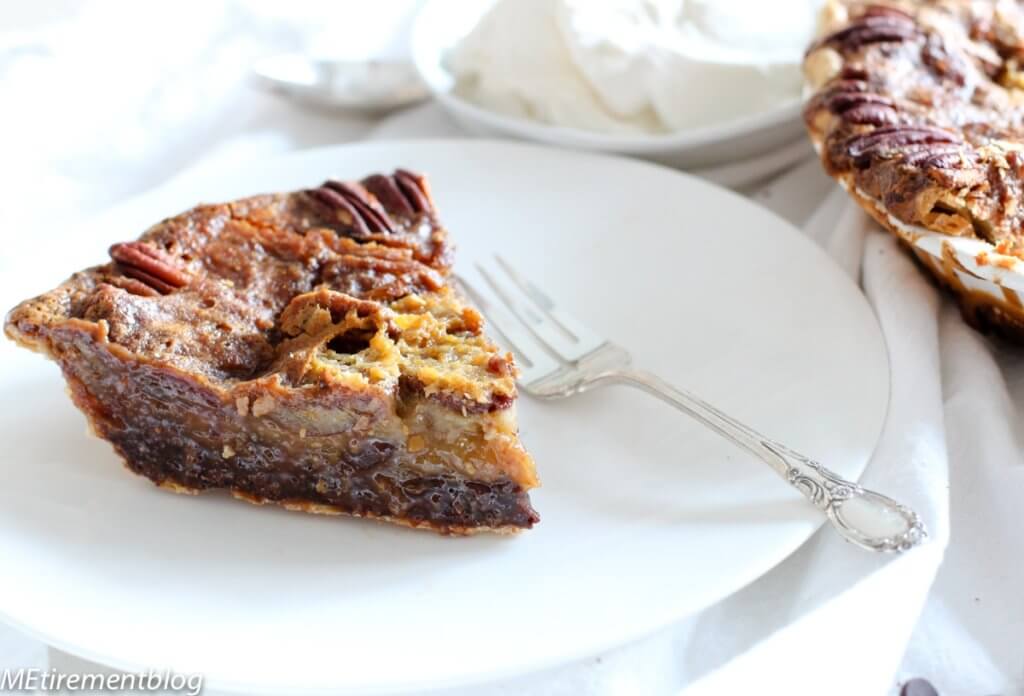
{"type": "Point", "coordinates": [864, 517]}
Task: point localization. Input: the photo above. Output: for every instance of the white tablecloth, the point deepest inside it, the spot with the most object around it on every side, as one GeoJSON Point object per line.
{"type": "Point", "coordinates": [88, 122]}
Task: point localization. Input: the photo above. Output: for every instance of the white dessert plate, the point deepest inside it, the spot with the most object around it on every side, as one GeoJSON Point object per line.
{"type": "Point", "coordinates": [441, 24]}
{"type": "Point", "coordinates": [646, 516]}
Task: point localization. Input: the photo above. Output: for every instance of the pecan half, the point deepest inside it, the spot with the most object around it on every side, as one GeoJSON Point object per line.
{"type": "Point", "coordinates": [842, 100]}
{"type": "Point", "coordinates": [868, 29]}
{"type": "Point", "coordinates": [150, 265]}
{"type": "Point", "coordinates": [135, 287]}
{"type": "Point", "coordinates": [934, 155]}
{"type": "Point", "coordinates": [390, 196]}
{"type": "Point", "coordinates": [881, 141]}
{"type": "Point", "coordinates": [880, 31]}
{"type": "Point", "coordinates": [414, 186]}
{"type": "Point", "coordinates": [873, 114]}
{"type": "Point", "coordinates": [952, 159]}
{"type": "Point", "coordinates": [847, 99]}
{"type": "Point", "coordinates": [336, 201]}
{"type": "Point", "coordinates": [374, 218]}
{"type": "Point", "coordinates": [403, 193]}
{"type": "Point", "coordinates": [369, 203]}
{"type": "Point", "coordinates": [364, 216]}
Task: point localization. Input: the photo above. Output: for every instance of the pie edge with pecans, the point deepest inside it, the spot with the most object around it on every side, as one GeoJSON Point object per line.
{"type": "Point", "coordinates": [915, 111]}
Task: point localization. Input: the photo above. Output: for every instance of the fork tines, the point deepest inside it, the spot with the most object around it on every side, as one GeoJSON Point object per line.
{"type": "Point", "coordinates": [542, 337]}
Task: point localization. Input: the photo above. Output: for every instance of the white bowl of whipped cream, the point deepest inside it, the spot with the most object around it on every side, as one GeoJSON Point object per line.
{"type": "Point", "coordinates": [690, 83]}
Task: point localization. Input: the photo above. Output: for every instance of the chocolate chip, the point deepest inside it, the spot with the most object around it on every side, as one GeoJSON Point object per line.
{"type": "Point", "coordinates": [918, 687]}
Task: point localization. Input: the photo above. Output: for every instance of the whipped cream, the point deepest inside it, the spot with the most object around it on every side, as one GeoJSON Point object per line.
{"type": "Point", "coordinates": [634, 66]}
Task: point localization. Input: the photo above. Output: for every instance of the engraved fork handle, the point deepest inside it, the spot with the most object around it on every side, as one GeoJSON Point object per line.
{"type": "Point", "coordinates": [864, 517]}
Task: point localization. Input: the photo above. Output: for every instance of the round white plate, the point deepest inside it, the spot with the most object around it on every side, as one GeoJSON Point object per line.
{"type": "Point", "coordinates": [441, 24]}
{"type": "Point", "coordinates": [647, 517]}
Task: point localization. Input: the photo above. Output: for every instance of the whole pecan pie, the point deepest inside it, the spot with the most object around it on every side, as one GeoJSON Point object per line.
{"type": "Point", "coordinates": [304, 349]}
{"type": "Point", "coordinates": [918, 110]}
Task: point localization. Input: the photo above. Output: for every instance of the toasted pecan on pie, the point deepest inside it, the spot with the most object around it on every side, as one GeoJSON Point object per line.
{"type": "Point", "coordinates": [918, 109]}
{"type": "Point", "coordinates": [303, 349]}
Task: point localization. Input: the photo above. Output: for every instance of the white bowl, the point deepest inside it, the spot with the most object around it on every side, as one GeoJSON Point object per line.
{"type": "Point", "coordinates": [441, 24]}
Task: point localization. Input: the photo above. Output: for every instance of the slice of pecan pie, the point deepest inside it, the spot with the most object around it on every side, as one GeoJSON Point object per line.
{"type": "Point", "coordinates": [919, 111]}
{"type": "Point", "coordinates": [304, 349]}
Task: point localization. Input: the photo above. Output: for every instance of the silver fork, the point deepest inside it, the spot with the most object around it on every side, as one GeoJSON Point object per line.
{"type": "Point", "coordinates": [558, 356]}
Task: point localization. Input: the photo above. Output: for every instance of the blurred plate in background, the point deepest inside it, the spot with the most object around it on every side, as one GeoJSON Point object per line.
{"type": "Point", "coordinates": [441, 24]}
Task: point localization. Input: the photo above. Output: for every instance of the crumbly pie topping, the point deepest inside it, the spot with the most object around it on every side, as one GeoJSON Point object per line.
{"type": "Point", "coordinates": [346, 279]}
